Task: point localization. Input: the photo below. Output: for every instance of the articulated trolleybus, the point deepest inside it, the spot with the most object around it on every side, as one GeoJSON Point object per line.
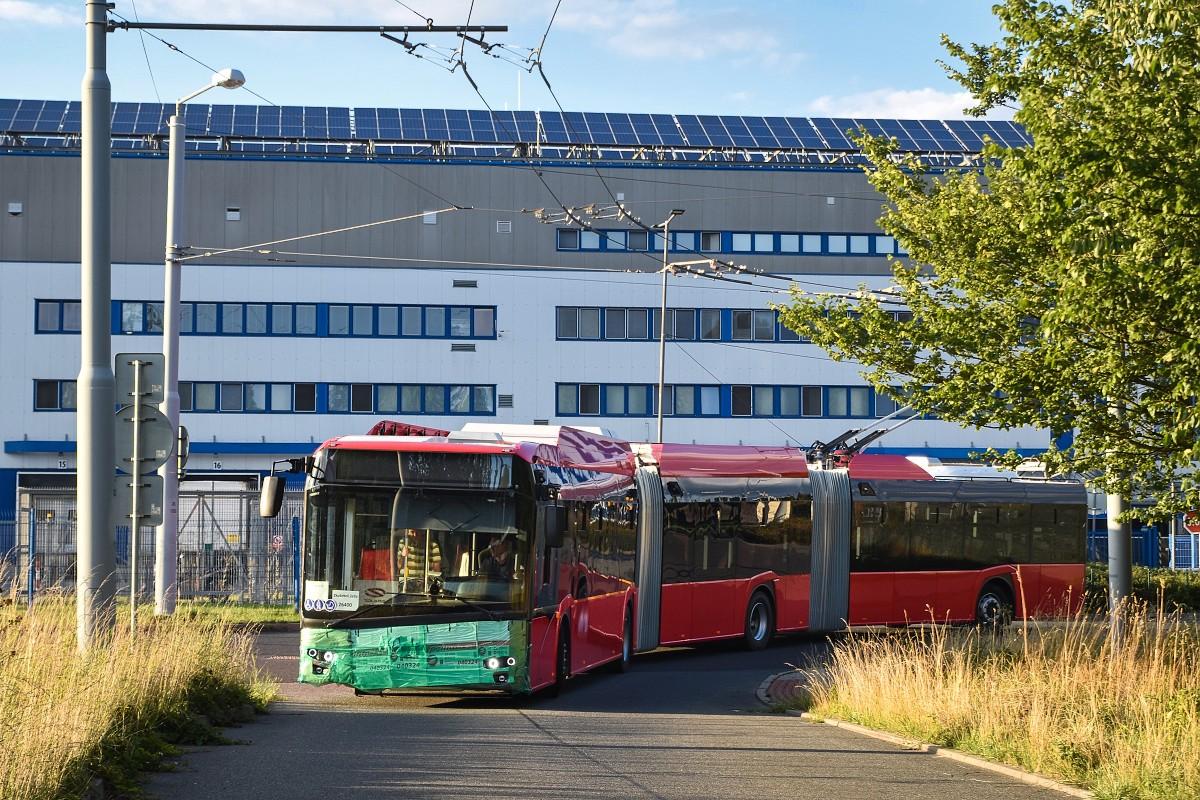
{"type": "Point", "coordinates": [512, 557]}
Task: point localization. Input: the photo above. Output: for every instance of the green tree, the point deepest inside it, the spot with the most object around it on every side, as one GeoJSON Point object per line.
{"type": "Point", "coordinates": [1059, 285]}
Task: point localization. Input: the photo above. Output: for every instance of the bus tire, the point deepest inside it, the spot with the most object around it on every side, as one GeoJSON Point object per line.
{"type": "Point", "coordinates": [623, 663]}
{"type": "Point", "coordinates": [562, 657]}
{"type": "Point", "coordinates": [994, 609]}
{"type": "Point", "coordinates": [760, 622]}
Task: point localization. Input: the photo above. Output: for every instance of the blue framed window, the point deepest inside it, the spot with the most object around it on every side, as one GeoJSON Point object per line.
{"type": "Point", "coordinates": [705, 400]}
{"type": "Point", "coordinates": [793, 243]}
{"type": "Point", "coordinates": [57, 316]}
{"type": "Point", "coordinates": [614, 323]}
{"type": "Point", "coordinates": [54, 395]}
{"type": "Point", "coordinates": [199, 318]}
{"type": "Point", "coordinates": [231, 397]}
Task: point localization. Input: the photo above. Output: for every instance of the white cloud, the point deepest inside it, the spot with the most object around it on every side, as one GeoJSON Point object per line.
{"type": "Point", "coordinates": [662, 31]}
{"type": "Point", "coordinates": [38, 13]}
{"type": "Point", "coordinates": [898, 104]}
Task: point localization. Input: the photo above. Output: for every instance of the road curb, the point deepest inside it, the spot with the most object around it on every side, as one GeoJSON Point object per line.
{"type": "Point", "coordinates": [765, 696]}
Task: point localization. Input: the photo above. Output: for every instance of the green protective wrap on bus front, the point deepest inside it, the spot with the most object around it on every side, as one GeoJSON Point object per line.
{"type": "Point", "coordinates": [417, 656]}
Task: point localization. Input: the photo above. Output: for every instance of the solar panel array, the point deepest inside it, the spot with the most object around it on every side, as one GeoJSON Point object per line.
{"type": "Point", "coordinates": [52, 118]}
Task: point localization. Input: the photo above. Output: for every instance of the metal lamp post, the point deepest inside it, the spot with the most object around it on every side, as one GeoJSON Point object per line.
{"type": "Point", "coordinates": [662, 320]}
{"type": "Point", "coordinates": [166, 537]}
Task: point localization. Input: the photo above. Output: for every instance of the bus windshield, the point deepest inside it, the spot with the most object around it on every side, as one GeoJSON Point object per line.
{"type": "Point", "coordinates": [414, 551]}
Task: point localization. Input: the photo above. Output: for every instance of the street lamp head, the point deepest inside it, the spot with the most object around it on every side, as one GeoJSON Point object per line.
{"type": "Point", "coordinates": [675, 212]}
{"type": "Point", "coordinates": [228, 78]}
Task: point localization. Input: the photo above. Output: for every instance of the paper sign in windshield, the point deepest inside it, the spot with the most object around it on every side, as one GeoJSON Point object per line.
{"type": "Point", "coordinates": [344, 600]}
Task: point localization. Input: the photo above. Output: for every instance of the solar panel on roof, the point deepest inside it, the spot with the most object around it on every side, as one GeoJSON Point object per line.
{"type": "Point", "coordinates": [8, 110]}
{"type": "Point", "coordinates": [644, 131]}
{"type": "Point", "coordinates": [716, 131]}
{"type": "Point", "coordinates": [601, 131]}
{"type": "Point", "coordinates": [946, 142]}
{"type": "Point", "coordinates": [245, 120]}
{"type": "Point", "coordinates": [805, 130]}
{"type": "Point", "coordinates": [435, 124]}
{"type": "Point", "coordinates": [920, 137]}
{"type": "Point", "coordinates": [389, 123]}
{"type": "Point", "coordinates": [577, 129]}
{"type": "Point", "coordinates": [783, 133]}
{"type": "Point", "coordinates": [366, 123]}
{"type": "Point", "coordinates": [316, 122]}
{"type": "Point", "coordinates": [831, 133]}
{"type": "Point", "coordinates": [526, 125]}
{"type": "Point", "coordinates": [483, 126]}
{"type": "Point", "coordinates": [123, 119]}
{"type": "Point", "coordinates": [736, 126]}
{"type": "Point", "coordinates": [1011, 134]}
{"type": "Point", "coordinates": [554, 129]}
{"type": "Point", "coordinates": [71, 122]}
{"type": "Point", "coordinates": [894, 130]}
{"type": "Point", "coordinates": [757, 127]}
{"type": "Point", "coordinates": [412, 124]}
{"type": "Point", "coordinates": [51, 116]}
{"type": "Point", "coordinates": [458, 126]}
{"type": "Point", "coordinates": [667, 129]}
{"type": "Point", "coordinates": [268, 125]}
{"type": "Point", "coordinates": [693, 131]}
{"type": "Point", "coordinates": [965, 134]}
{"type": "Point", "coordinates": [339, 123]}
{"type": "Point", "coordinates": [622, 128]}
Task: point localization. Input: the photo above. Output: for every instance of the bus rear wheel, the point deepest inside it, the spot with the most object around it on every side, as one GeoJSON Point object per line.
{"type": "Point", "coordinates": [760, 622]}
{"type": "Point", "coordinates": [994, 609]}
{"type": "Point", "coordinates": [623, 663]}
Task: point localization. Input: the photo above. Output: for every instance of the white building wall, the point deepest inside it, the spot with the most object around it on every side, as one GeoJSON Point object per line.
{"type": "Point", "coordinates": [525, 360]}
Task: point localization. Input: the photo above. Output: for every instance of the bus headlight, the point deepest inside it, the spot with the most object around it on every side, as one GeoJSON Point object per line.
{"type": "Point", "coordinates": [492, 663]}
{"type": "Point", "coordinates": [329, 656]}
{"type": "Point", "coordinates": [510, 661]}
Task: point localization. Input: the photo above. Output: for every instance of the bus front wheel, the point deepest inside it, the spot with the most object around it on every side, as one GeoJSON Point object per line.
{"type": "Point", "coordinates": [994, 609]}
{"type": "Point", "coordinates": [760, 622]}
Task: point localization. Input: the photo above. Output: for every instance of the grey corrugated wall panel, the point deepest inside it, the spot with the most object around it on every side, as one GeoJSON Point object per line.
{"type": "Point", "coordinates": [649, 556]}
{"type": "Point", "coordinates": [830, 584]}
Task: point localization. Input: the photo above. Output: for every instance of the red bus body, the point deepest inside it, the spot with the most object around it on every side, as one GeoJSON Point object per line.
{"type": "Point", "coordinates": [671, 544]}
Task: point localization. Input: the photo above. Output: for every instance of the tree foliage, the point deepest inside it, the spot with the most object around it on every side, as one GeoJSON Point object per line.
{"type": "Point", "coordinates": [1059, 286]}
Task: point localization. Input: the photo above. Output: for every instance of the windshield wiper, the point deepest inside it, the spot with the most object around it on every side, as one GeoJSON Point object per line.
{"type": "Point", "coordinates": [364, 609]}
{"type": "Point", "coordinates": [469, 603]}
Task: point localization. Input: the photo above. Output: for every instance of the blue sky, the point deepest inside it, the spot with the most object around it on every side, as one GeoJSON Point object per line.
{"type": "Point", "coordinates": [874, 58]}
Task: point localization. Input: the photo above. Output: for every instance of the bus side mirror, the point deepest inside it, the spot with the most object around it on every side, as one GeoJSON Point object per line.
{"type": "Point", "coordinates": [270, 497]}
{"type": "Point", "coordinates": [556, 524]}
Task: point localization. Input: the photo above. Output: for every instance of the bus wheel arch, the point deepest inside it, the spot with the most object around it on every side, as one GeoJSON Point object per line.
{"type": "Point", "coordinates": [995, 607]}
{"type": "Point", "coordinates": [760, 620]}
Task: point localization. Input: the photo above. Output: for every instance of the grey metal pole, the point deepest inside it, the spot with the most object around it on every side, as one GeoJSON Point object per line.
{"type": "Point", "coordinates": [662, 321]}
{"type": "Point", "coordinates": [662, 332]}
{"type": "Point", "coordinates": [166, 535]}
{"type": "Point", "coordinates": [1120, 566]}
{"type": "Point", "coordinates": [135, 517]}
{"type": "Point", "coordinates": [95, 596]}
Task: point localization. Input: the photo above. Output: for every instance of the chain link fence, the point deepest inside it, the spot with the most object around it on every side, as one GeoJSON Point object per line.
{"type": "Point", "coordinates": [226, 551]}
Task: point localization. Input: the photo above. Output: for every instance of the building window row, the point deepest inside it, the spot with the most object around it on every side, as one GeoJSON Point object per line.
{"type": "Point", "coordinates": [283, 319]}
{"type": "Point", "coordinates": [683, 324]}
{"type": "Point", "coordinates": [736, 400]}
{"type": "Point", "coordinates": [757, 242]}
{"type": "Point", "coordinates": [54, 395]}
{"type": "Point", "coordinates": [336, 398]}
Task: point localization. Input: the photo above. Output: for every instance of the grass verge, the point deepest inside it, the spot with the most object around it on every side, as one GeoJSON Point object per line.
{"type": "Point", "coordinates": [1060, 699]}
{"type": "Point", "coordinates": [72, 719]}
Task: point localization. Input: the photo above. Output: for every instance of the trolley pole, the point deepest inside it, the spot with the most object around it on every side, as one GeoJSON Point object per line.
{"type": "Point", "coordinates": [95, 594]}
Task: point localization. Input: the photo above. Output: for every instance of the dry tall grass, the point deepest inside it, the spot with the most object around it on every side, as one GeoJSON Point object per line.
{"type": "Point", "coordinates": [1059, 699]}
{"type": "Point", "coordinates": [63, 713]}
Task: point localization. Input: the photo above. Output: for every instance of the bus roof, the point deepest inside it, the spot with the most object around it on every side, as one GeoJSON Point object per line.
{"type": "Point", "coordinates": [559, 446]}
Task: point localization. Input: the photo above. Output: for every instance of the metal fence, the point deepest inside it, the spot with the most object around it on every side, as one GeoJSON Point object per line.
{"type": "Point", "coordinates": [226, 551]}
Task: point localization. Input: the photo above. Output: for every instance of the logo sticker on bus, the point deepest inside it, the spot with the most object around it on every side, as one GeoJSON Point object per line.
{"type": "Point", "coordinates": [312, 604]}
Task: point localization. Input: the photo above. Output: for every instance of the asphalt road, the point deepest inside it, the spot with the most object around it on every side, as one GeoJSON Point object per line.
{"type": "Point", "coordinates": [684, 723]}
